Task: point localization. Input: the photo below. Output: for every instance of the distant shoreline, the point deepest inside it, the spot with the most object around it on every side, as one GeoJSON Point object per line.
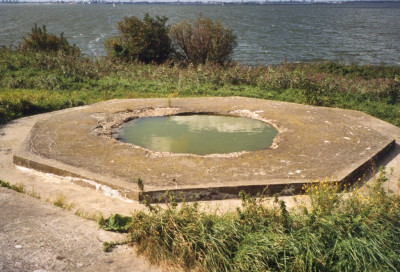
{"type": "Point", "coordinates": [295, 2]}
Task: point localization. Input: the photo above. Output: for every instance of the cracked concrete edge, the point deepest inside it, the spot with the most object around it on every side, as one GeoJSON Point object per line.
{"type": "Point", "coordinates": [359, 171]}
{"type": "Point", "coordinates": [88, 180]}
{"type": "Point", "coordinates": [194, 193]}
{"type": "Point", "coordinates": [269, 188]}
{"type": "Point", "coordinates": [24, 158]}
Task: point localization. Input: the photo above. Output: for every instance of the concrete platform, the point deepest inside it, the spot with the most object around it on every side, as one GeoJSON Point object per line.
{"type": "Point", "coordinates": [313, 143]}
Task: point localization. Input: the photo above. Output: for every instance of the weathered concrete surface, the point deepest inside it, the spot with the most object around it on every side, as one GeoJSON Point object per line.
{"type": "Point", "coordinates": [22, 223]}
{"type": "Point", "coordinates": [313, 143]}
{"type": "Point", "coordinates": [35, 236]}
{"type": "Point", "coordinates": [44, 231]}
{"type": "Point", "coordinates": [47, 186]}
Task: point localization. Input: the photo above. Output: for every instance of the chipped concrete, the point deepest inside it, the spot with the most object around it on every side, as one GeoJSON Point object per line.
{"type": "Point", "coordinates": [313, 143]}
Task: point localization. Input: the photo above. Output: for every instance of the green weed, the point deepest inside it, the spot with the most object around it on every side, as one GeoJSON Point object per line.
{"type": "Point", "coordinates": [62, 202]}
{"type": "Point", "coordinates": [18, 187]}
{"type": "Point", "coordinates": [33, 193]}
{"type": "Point", "coordinates": [338, 229]}
{"type": "Point", "coordinates": [116, 222]}
{"type": "Point", "coordinates": [94, 216]}
{"type": "Point", "coordinates": [109, 246]}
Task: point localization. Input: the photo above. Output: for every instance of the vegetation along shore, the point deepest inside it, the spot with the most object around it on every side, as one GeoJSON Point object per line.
{"type": "Point", "coordinates": [337, 230]}
{"type": "Point", "coordinates": [41, 76]}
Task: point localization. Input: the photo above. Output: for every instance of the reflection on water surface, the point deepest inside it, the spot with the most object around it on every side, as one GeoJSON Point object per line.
{"type": "Point", "coordinates": [198, 134]}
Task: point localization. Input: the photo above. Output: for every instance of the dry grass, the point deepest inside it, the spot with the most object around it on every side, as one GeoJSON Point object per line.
{"type": "Point", "coordinates": [340, 229]}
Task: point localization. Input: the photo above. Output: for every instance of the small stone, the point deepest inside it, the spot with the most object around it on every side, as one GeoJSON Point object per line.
{"type": "Point", "coordinates": [18, 246]}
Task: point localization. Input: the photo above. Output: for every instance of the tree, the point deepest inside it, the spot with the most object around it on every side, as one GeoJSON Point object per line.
{"type": "Point", "coordinates": [40, 40]}
{"type": "Point", "coordinates": [202, 41]}
{"type": "Point", "coordinates": [144, 40]}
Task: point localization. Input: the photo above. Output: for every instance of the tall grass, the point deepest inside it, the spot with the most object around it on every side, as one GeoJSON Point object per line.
{"type": "Point", "coordinates": [336, 231]}
{"type": "Point", "coordinates": [74, 80]}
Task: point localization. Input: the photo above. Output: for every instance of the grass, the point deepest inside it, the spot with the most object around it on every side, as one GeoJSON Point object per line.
{"type": "Point", "coordinates": [34, 193]}
{"type": "Point", "coordinates": [109, 246]}
{"type": "Point", "coordinates": [94, 216]}
{"type": "Point", "coordinates": [33, 83]}
{"type": "Point", "coordinates": [62, 202]}
{"type": "Point", "coordinates": [19, 187]}
{"type": "Point", "coordinates": [335, 230]}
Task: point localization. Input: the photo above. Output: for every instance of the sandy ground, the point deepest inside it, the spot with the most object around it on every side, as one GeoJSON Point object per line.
{"type": "Point", "coordinates": [37, 236]}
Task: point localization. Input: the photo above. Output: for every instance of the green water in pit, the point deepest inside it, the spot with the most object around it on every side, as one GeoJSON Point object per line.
{"type": "Point", "coordinates": [198, 134]}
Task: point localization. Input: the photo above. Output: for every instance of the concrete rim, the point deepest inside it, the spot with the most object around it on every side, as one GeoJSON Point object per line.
{"type": "Point", "coordinates": [110, 126]}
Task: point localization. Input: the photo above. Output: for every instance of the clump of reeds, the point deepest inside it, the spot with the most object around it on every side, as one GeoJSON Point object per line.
{"type": "Point", "coordinates": [338, 230]}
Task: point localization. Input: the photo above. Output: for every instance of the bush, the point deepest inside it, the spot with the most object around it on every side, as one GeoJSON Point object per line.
{"type": "Point", "coordinates": [203, 41]}
{"type": "Point", "coordinates": [40, 40]}
{"type": "Point", "coordinates": [144, 40]}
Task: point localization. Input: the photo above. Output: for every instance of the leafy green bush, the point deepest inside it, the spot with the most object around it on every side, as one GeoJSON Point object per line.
{"type": "Point", "coordinates": [202, 41]}
{"type": "Point", "coordinates": [144, 40]}
{"type": "Point", "coordinates": [40, 40]}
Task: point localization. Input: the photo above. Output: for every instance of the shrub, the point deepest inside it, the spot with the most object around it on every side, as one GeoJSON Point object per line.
{"type": "Point", "coordinates": [40, 40]}
{"type": "Point", "coordinates": [144, 40]}
{"type": "Point", "coordinates": [331, 229]}
{"type": "Point", "coordinates": [203, 41]}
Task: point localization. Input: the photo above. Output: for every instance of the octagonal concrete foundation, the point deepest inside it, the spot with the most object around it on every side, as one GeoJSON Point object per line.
{"type": "Point", "coordinates": [313, 143]}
